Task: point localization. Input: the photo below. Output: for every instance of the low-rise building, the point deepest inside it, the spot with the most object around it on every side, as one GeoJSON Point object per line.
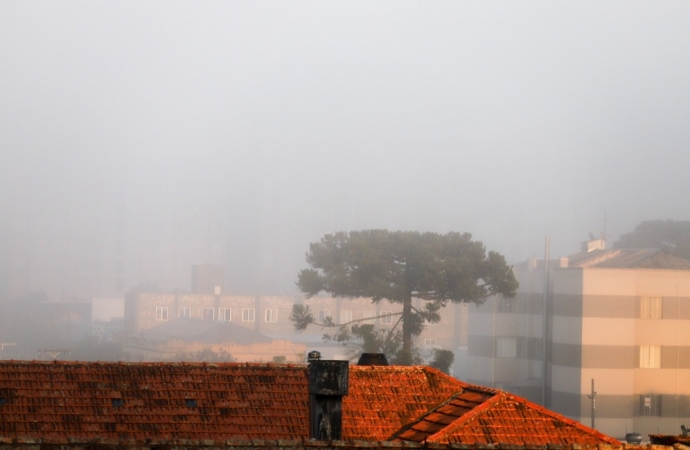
{"type": "Point", "coordinates": [270, 315]}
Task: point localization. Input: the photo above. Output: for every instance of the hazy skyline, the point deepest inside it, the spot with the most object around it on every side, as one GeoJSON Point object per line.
{"type": "Point", "coordinates": [243, 131]}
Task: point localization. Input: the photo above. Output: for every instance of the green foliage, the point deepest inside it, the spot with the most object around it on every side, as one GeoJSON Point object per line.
{"type": "Point", "coordinates": [668, 235]}
{"type": "Point", "coordinates": [402, 265]}
{"type": "Point", "coordinates": [301, 317]}
{"type": "Point", "coordinates": [442, 360]}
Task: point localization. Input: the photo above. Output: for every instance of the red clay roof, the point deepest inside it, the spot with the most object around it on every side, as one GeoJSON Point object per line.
{"type": "Point", "coordinates": [230, 401]}
{"type": "Point", "coordinates": [484, 416]}
{"type": "Point", "coordinates": [233, 401]}
{"type": "Point", "coordinates": [382, 399]}
{"type": "Point", "coordinates": [81, 400]}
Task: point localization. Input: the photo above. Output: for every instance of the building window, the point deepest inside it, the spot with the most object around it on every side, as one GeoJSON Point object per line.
{"type": "Point", "coordinates": [650, 405]}
{"type": "Point", "coordinates": [324, 315]}
{"type": "Point", "coordinates": [429, 341]}
{"type": "Point", "coordinates": [184, 311]}
{"type": "Point", "coordinates": [506, 347]}
{"type": "Point", "coordinates": [650, 356]}
{"type": "Point", "coordinates": [225, 314]}
{"type": "Point", "coordinates": [271, 315]}
{"type": "Point", "coordinates": [345, 316]}
{"type": "Point", "coordinates": [247, 314]}
{"type": "Point", "coordinates": [650, 308]}
{"type": "Point", "coordinates": [386, 318]}
{"type": "Point", "coordinates": [161, 313]}
{"type": "Point", "coordinates": [370, 317]}
{"type": "Point", "coordinates": [207, 313]}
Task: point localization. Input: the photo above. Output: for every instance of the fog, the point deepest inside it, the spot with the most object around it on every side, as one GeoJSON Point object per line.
{"type": "Point", "coordinates": [138, 138]}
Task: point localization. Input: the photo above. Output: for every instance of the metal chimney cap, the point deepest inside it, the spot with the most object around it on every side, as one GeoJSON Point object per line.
{"type": "Point", "coordinates": [372, 359]}
{"type": "Point", "coordinates": [313, 355]}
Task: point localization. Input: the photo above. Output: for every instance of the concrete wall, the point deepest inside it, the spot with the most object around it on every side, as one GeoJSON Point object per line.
{"type": "Point", "coordinates": [597, 331]}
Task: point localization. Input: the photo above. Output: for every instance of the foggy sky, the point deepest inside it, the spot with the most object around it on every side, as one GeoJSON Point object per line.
{"type": "Point", "coordinates": [242, 131]}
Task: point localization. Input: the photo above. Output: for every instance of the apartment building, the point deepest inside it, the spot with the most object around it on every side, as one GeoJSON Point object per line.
{"type": "Point", "coordinates": [617, 323]}
{"type": "Point", "coordinates": [270, 315]}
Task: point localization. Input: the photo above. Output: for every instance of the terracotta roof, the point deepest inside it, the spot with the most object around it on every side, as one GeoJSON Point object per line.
{"type": "Point", "coordinates": [259, 444]}
{"type": "Point", "coordinates": [143, 401]}
{"type": "Point", "coordinates": [230, 401]}
{"type": "Point", "coordinates": [203, 401]}
{"type": "Point", "coordinates": [485, 416]}
{"type": "Point", "coordinates": [382, 399]}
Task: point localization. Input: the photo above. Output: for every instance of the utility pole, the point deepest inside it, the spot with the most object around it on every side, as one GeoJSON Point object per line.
{"type": "Point", "coordinates": [545, 320]}
{"type": "Point", "coordinates": [592, 397]}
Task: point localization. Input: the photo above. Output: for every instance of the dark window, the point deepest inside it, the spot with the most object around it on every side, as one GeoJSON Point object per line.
{"type": "Point", "coordinates": [118, 402]}
{"type": "Point", "coordinates": [190, 402]}
{"type": "Point", "coordinates": [650, 405]}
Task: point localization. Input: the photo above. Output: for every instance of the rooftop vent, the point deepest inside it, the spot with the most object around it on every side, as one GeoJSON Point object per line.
{"type": "Point", "coordinates": [328, 383]}
{"type": "Point", "coordinates": [372, 359]}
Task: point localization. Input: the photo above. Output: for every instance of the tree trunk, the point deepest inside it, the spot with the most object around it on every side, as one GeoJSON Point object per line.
{"type": "Point", "coordinates": [406, 353]}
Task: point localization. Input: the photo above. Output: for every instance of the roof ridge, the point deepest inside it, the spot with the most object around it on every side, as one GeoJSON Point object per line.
{"type": "Point", "coordinates": [433, 409]}
{"type": "Point", "coordinates": [469, 415]}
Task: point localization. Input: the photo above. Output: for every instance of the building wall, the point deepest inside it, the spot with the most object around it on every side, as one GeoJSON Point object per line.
{"type": "Point", "coordinates": [259, 352]}
{"type": "Point", "coordinates": [270, 315]}
{"type": "Point", "coordinates": [596, 333]}
{"type": "Point", "coordinates": [614, 336]}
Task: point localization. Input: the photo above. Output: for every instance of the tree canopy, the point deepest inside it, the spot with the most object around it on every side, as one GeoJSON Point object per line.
{"type": "Point", "coordinates": [668, 235]}
{"type": "Point", "coordinates": [402, 265]}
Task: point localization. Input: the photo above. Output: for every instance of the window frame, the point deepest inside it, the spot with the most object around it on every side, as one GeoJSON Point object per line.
{"type": "Point", "coordinates": [271, 315]}
{"type": "Point", "coordinates": [386, 318]}
{"type": "Point", "coordinates": [181, 310]}
{"type": "Point", "coordinates": [323, 314]}
{"type": "Point", "coordinates": [222, 312]}
{"type": "Point", "coordinates": [651, 307]}
{"type": "Point", "coordinates": [248, 315]}
{"type": "Point", "coordinates": [650, 357]}
{"type": "Point", "coordinates": [161, 313]}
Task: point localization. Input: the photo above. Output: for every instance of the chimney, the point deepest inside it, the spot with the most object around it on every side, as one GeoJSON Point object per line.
{"type": "Point", "coordinates": [327, 386]}
{"type": "Point", "coordinates": [372, 359]}
{"type": "Point", "coordinates": [564, 262]}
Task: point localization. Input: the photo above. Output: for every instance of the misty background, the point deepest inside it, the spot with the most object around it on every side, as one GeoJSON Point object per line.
{"type": "Point", "coordinates": [139, 138]}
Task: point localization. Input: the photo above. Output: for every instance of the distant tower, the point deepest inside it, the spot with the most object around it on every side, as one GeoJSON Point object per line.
{"type": "Point", "coordinates": [208, 279]}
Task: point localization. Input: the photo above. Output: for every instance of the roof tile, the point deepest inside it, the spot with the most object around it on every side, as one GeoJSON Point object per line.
{"type": "Point", "coordinates": [230, 401]}
{"type": "Point", "coordinates": [499, 418]}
